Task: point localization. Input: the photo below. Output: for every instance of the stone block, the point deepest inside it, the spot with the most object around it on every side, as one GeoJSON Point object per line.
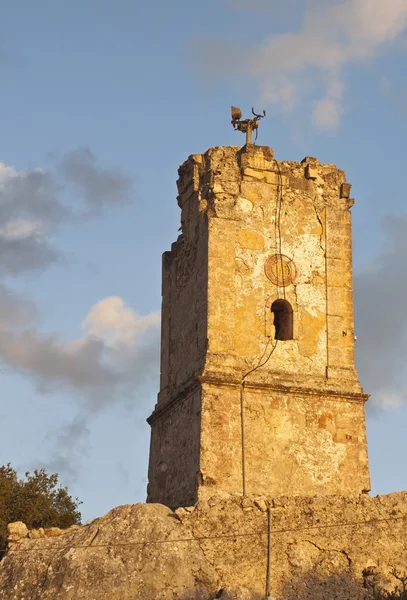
{"type": "Point", "coordinates": [338, 273]}
{"type": "Point", "coordinates": [311, 160]}
{"type": "Point", "coordinates": [311, 172]}
{"type": "Point", "coordinates": [341, 357]}
{"type": "Point", "coordinates": [345, 190]}
{"type": "Point", "coordinates": [340, 301]}
{"type": "Point", "coordinates": [16, 531]}
{"type": "Point", "coordinates": [257, 157]}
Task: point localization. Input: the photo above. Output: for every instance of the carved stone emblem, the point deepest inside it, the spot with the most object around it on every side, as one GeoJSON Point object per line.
{"type": "Point", "coordinates": [280, 270]}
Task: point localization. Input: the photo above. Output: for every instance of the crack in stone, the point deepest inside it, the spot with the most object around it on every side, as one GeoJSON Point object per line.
{"type": "Point", "coordinates": [94, 536]}
{"type": "Point", "coordinates": [322, 230]}
{"type": "Point", "coordinates": [343, 552]}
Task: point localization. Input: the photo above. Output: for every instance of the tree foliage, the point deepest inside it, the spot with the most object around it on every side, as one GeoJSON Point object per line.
{"type": "Point", "coordinates": [36, 499]}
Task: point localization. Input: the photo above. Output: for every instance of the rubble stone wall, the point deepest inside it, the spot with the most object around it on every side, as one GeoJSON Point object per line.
{"type": "Point", "coordinates": [320, 547]}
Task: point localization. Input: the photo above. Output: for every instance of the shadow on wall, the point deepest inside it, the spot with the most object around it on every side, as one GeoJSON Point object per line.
{"type": "Point", "coordinates": [227, 593]}
{"type": "Point", "coordinates": [311, 586]}
{"type": "Point", "coordinates": [371, 585]}
{"type": "Point", "coordinates": [338, 586]}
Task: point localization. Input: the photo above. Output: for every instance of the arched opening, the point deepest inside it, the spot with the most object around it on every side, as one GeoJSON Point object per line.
{"type": "Point", "coordinates": [283, 320]}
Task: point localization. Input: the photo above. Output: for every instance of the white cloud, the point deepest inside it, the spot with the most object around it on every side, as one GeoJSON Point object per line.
{"type": "Point", "coordinates": [117, 353]}
{"type": "Point", "coordinates": [370, 23]}
{"type": "Point", "coordinates": [327, 111]}
{"type": "Point", "coordinates": [116, 324]}
{"type": "Point", "coordinates": [19, 229]}
{"type": "Point", "coordinates": [6, 173]}
{"type": "Point", "coordinates": [307, 65]}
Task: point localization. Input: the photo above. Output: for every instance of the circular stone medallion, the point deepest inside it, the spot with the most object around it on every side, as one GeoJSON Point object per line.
{"type": "Point", "coordinates": [280, 270]}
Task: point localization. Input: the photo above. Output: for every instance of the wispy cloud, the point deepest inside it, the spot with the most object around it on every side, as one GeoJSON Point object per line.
{"type": "Point", "coordinates": [307, 67]}
{"type": "Point", "coordinates": [98, 186]}
{"type": "Point", "coordinates": [16, 311]}
{"type": "Point", "coordinates": [72, 444]}
{"type": "Point", "coordinates": [380, 304]}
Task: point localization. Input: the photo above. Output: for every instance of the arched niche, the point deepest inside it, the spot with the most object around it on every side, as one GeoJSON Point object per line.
{"type": "Point", "coordinates": [283, 320]}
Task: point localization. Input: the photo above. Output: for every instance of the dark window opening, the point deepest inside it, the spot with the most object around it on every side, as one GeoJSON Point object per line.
{"type": "Point", "coordinates": [283, 320]}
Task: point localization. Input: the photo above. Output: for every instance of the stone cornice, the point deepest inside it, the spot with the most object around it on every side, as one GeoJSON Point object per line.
{"type": "Point", "coordinates": [223, 381]}
{"type": "Point", "coordinates": [181, 396]}
{"type": "Point", "coordinates": [234, 382]}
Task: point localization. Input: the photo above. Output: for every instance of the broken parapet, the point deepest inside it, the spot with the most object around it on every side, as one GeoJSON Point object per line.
{"type": "Point", "coordinates": [18, 531]}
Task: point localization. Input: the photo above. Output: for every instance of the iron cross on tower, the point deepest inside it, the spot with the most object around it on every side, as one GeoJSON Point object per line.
{"type": "Point", "coordinates": [248, 125]}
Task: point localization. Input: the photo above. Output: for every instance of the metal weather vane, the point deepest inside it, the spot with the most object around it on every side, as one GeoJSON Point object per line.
{"type": "Point", "coordinates": [246, 126]}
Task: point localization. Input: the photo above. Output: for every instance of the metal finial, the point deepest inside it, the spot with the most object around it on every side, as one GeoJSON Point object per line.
{"type": "Point", "coordinates": [247, 125]}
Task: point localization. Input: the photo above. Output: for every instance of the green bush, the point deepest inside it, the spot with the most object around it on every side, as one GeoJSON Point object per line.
{"type": "Point", "coordinates": [37, 500]}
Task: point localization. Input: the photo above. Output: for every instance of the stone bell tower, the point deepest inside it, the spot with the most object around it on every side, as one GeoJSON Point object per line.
{"type": "Point", "coordinates": [259, 392]}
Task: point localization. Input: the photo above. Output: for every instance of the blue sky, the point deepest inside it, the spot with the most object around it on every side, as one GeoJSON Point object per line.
{"type": "Point", "coordinates": [100, 102]}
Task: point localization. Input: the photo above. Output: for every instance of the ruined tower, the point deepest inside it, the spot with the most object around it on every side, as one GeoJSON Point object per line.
{"type": "Point", "coordinates": [259, 392]}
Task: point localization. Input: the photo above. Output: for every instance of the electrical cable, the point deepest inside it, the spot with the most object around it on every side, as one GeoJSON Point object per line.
{"type": "Point", "coordinates": [279, 203]}
{"type": "Point", "coordinates": [268, 573]}
{"type": "Point", "coordinates": [278, 242]}
{"type": "Point", "coordinates": [231, 536]}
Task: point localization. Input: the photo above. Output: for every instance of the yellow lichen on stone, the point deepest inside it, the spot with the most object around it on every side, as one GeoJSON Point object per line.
{"type": "Point", "coordinates": [247, 321]}
{"type": "Point", "coordinates": [250, 239]}
{"type": "Point", "coordinates": [258, 192]}
{"type": "Point", "coordinates": [310, 329]}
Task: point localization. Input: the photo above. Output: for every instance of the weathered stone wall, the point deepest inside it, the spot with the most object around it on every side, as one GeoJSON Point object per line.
{"type": "Point", "coordinates": [259, 207]}
{"type": "Point", "coordinates": [315, 540]}
{"type": "Point", "coordinates": [319, 549]}
{"type": "Point", "coordinates": [175, 452]}
{"type": "Point", "coordinates": [296, 442]}
{"type": "Point", "coordinates": [304, 407]}
{"type": "Point", "coordinates": [175, 435]}
{"type": "Point", "coordinates": [184, 305]}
